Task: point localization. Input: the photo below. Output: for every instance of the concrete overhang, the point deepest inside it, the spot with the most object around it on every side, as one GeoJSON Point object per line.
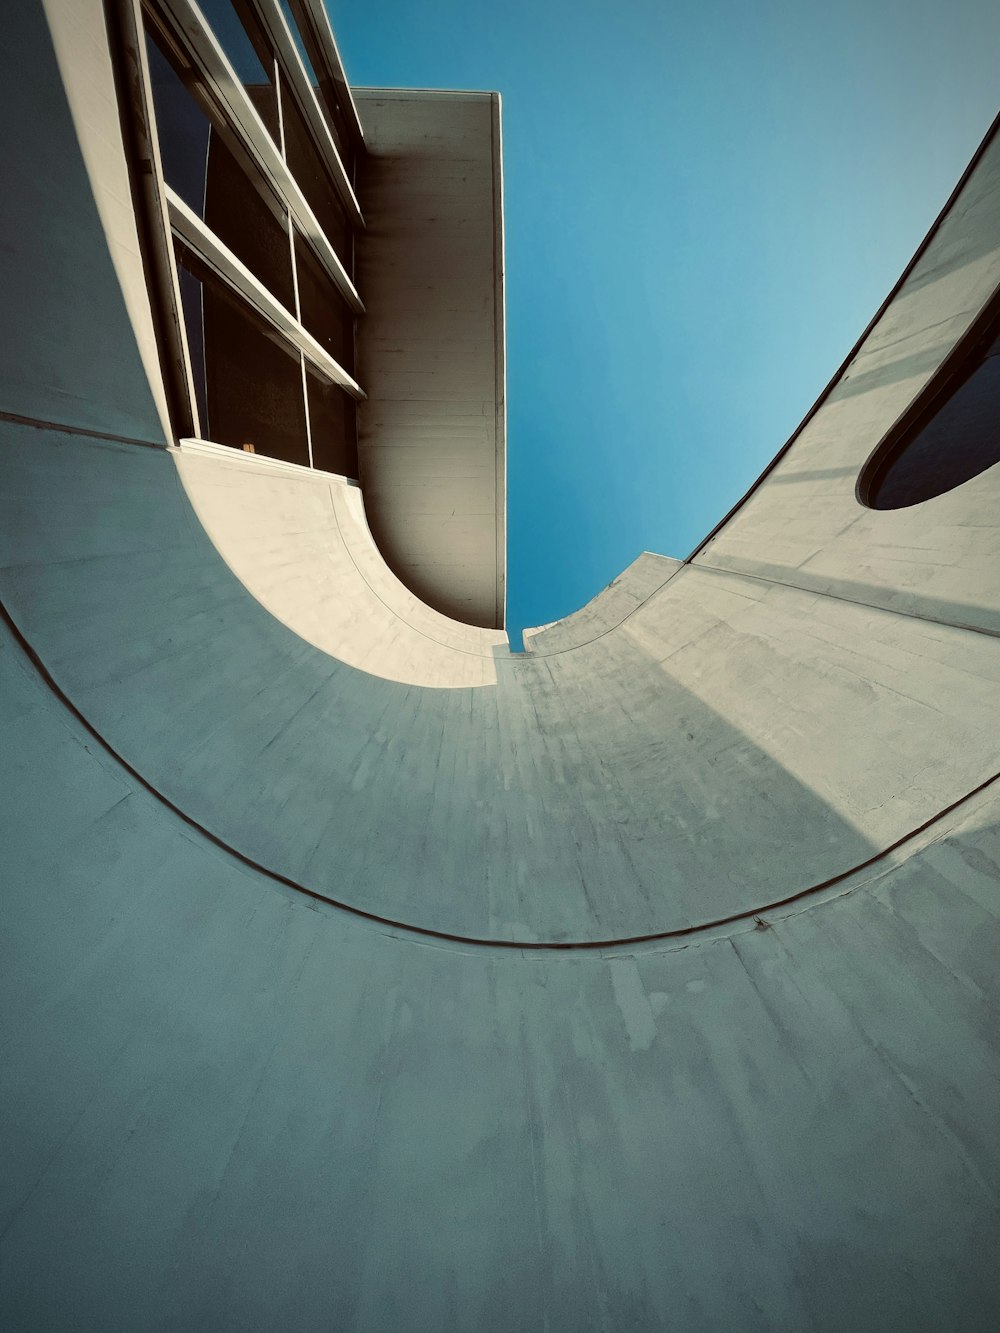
{"type": "Point", "coordinates": [432, 433]}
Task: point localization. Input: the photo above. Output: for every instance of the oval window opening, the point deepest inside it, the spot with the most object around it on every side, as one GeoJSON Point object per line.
{"type": "Point", "coordinates": [949, 436]}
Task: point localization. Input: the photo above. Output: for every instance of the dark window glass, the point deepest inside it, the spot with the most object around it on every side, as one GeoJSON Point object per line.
{"type": "Point", "coordinates": [230, 197]}
{"type": "Point", "coordinates": [954, 437]}
{"type": "Point", "coordinates": [183, 129]}
{"type": "Point", "coordinates": [314, 181]}
{"type": "Point", "coordinates": [251, 378]}
{"type": "Point", "coordinates": [325, 88]}
{"type": "Point", "coordinates": [194, 325]}
{"type": "Point", "coordinates": [303, 50]}
{"type": "Point", "coordinates": [249, 51]}
{"type": "Point", "coordinates": [333, 425]}
{"type": "Point", "coordinates": [323, 311]}
{"type": "Point", "coordinates": [241, 219]}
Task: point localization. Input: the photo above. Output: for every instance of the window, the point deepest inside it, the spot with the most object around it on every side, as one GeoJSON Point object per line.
{"type": "Point", "coordinates": [325, 88]}
{"type": "Point", "coordinates": [333, 427]}
{"type": "Point", "coordinates": [307, 167]}
{"type": "Point", "coordinates": [229, 196]}
{"type": "Point", "coordinates": [950, 435]}
{"type": "Point", "coordinates": [249, 52]}
{"type": "Point", "coordinates": [248, 379]}
{"type": "Point", "coordinates": [182, 126]}
{"type": "Point", "coordinates": [253, 384]}
{"type": "Point", "coordinates": [322, 310]}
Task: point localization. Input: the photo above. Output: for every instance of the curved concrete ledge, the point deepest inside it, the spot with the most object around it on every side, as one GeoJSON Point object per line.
{"type": "Point", "coordinates": [935, 828]}
{"type": "Point", "coordinates": [727, 745]}
{"type": "Point", "coordinates": [226, 1097]}
{"type": "Point", "coordinates": [299, 543]}
{"type": "Point", "coordinates": [645, 575]}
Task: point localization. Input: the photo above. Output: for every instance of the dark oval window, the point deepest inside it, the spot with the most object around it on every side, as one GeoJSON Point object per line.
{"type": "Point", "coordinates": [950, 435]}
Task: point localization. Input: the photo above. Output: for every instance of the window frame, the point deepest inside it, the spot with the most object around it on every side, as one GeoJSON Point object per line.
{"type": "Point", "coordinates": [958, 366]}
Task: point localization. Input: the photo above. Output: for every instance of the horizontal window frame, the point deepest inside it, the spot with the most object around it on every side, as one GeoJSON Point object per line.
{"type": "Point", "coordinates": [189, 229]}
{"type": "Point", "coordinates": [313, 20]}
{"type": "Point", "coordinates": [300, 87]}
{"type": "Point", "coordinates": [194, 444]}
{"type": "Point", "coordinates": [185, 29]}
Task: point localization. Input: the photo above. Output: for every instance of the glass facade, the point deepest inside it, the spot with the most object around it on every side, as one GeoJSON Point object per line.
{"type": "Point", "coordinates": [250, 54]}
{"type": "Point", "coordinates": [248, 381]}
{"type": "Point", "coordinates": [326, 89]}
{"type": "Point", "coordinates": [322, 309]}
{"type": "Point", "coordinates": [251, 377]}
{"type": "Point", "coordinates": [333, 422]}
{"type": "Point", "coordinates": [182, 125]}
{"type": "Point", "coordinates": [306, 165]}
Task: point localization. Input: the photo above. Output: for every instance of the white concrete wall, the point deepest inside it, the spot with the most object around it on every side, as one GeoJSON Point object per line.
{"type": "Point", "coordinates": [731, 743]}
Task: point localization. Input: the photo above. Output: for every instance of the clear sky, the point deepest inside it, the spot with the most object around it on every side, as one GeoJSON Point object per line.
{"type": "Point", "coordinates": [706, 201]}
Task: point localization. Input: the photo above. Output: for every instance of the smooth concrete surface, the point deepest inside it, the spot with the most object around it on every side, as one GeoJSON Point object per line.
{"type": "Point", "coordinates": [645, 576]}
{"type": "Point", "coordinates": [301, 545]}
{"type": "Point", "coordinates": [730, 744]}
{"type": "Point", "coordinates": [323, 1003]}
{"type": "Point", "coordinates": [226, 1107]}
{"type": "Point", "coordinates": [432, 433]}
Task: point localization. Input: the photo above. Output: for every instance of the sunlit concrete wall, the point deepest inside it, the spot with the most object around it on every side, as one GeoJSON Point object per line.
{"type": "Point", "coordinates": [359, 974]}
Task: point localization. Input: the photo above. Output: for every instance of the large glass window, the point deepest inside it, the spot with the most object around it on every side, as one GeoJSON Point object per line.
{"type": "Point", "coordinates": [953, 435]}
{"type": "Point", "coordinates": [256, 233]}
{"type": "Point", "coordinates": [229, 196]}
{"type": "Point", "coordinates": [325, 88]}
{"type": "Point", "coordinates": [323, 312]}
{"type": "Point", "coordinates": [333, 426]}
{"type": "Point", "coordinates": [313, 179]}
{"type": "Point", "coordinates": [183, 128]}
{"type": "Point", "coordinates": [248, 379]}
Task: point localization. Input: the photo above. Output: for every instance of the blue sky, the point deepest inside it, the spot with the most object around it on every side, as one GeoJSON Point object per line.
{"type": "Point", "coordinates": [705, 204]}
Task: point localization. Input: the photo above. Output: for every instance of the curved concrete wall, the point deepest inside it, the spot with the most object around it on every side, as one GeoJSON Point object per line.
{"type": "Point", "coordinates": [363, 975]}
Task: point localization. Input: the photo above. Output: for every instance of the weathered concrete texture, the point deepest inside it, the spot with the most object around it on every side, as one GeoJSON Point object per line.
{"type": "Point", "coordinates": [227, 1105]}
{"type": "Point", "coordinates": [645, 576]}
{"type": "Point", "coordinates": [431, 346]}
{"type": "Point", "coordinates": [728, 745]}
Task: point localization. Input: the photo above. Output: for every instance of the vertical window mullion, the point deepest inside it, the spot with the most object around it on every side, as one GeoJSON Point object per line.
{"type": "Point", "coordinates": [278, 84]}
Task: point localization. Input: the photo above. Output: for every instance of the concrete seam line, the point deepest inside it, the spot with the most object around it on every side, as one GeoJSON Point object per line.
{"type": "Point", "coordinates": [37, 423]}
{"type": "Point", "coordinates": [849, 601]}
{"type": "Point", "coordinates": [753, 914]}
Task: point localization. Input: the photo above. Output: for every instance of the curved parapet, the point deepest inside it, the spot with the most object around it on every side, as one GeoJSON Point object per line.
{"type": "Point", "coordinates": [362, 974]}
{"type": "Point", "coordinates": [728, 745]}
{"type": "Point", "coordinates": [300, 544]}
{"type": "Point", "coordinates": [605, 612]}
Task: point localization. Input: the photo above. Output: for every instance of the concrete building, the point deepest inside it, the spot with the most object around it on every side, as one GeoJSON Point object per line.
{"type": "Point", "coordinates": [359, 974]}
